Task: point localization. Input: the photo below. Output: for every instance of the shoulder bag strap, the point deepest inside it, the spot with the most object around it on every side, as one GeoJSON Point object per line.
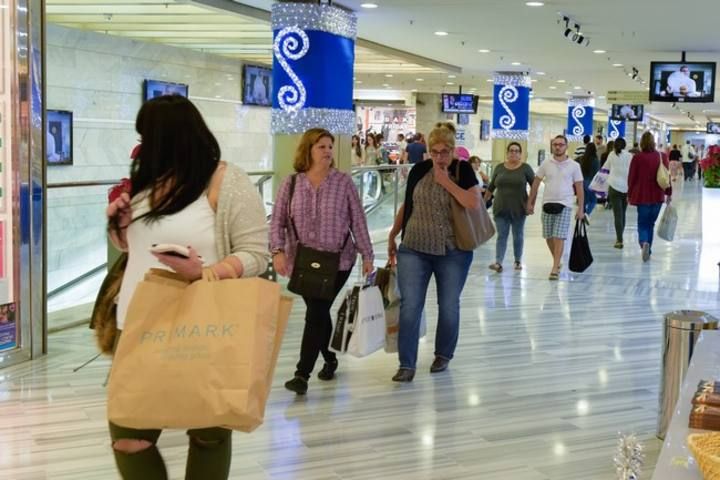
{"type": "Point", "coordinates": [289, 207]}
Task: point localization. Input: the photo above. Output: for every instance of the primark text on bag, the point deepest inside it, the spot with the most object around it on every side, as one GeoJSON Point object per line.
{"type": "Point", "coordinates": [197, 355]}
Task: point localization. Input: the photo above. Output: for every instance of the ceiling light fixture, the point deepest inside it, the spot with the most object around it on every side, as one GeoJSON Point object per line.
{"type": "Point", "coordinates": [369, 5]}
{"type": "Point", "coordinates": [452, 76]}
{"type": "Point", "coordinates": [552, 87]}
{"type": "Point", "coordinates": [572, 32]}
{"type": "Point", "coordinates": [516, 64]}
{"type": "Point", "coordinates": [484, 50]}
{"type": "Point", "coordinates": [389, 75]}
{"type": "Point", "coordinates": [617, 65]}
{"type": "Point", "coordinates": [599, 51]}
{"type": "Point", "coordinates": [539, 73]}
{"type": "Point", "coordinates": [449, 83]}
{"type": "Point", "coordinates": [534, 4]}
{"type": "Point", "coordinates": [419, 79]}
{"type": "Point", "coordinates": [561, 81]}
{"type": "Point", "coordinates": [441, 33]}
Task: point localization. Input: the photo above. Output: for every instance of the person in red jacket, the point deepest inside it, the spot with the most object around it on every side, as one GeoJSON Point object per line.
{"type": "Point", "coordinates": [644, 191]}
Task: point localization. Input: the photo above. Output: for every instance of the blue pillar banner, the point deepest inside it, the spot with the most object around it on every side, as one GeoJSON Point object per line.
{"type": "Point", "coordinates": [313, 58]}
{"type": "Point", "coordinates": [580, 118]}
{"type": "Point", "coordinates": [616, 129]}
{"type": "Point", "coordinates": [511, 105]}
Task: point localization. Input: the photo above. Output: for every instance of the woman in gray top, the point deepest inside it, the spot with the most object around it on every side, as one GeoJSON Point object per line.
{"type": "Point", "coordinates": [509, 184]}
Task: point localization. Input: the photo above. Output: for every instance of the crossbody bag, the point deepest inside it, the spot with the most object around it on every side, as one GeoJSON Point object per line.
{"type": "Point", "coordinates": [314, 271]}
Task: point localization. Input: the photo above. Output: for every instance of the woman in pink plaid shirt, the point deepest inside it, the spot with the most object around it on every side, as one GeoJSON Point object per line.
{"type": "Point", "coordinates": [325, 208]}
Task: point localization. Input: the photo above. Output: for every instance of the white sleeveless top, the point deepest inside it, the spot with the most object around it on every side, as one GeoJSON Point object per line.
{"type": "Point", "coordinates": [193, 226]}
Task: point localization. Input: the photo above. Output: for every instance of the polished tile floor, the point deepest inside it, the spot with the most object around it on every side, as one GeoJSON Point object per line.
{"type": "Point", "coordinates": [546, 375]}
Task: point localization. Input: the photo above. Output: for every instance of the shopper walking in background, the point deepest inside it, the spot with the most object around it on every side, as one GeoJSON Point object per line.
{"type": "Point", "coordinates": [324, 213]}
{"type": "Point", "coordinates": [563, 181]}
{"type": "Point", "coordinates": [675, 163]}
{"type": "Point", "coordinates": [357, 154]}
{"type": "Point", "coordinates": [688, 160]}
{"type": "Point", "coordinates": [509, 184]}
{"type": "Point", "coordinates": [428, 249]}
{"type": "Point", "coordinates": [589, 165]}
{"type": "Point", "coordinates": [618, 163]}
{"type": "Point", "coordinates": [644, 191]}
{"type": "Point", "coordinates": [181, 193]}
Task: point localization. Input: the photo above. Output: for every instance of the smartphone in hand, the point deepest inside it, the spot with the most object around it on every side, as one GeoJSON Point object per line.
{"type": "Point", "coordinates": [171, 249]}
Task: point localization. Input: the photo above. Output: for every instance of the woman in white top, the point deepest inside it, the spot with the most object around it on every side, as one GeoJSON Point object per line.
{"type": "Point", "coordinates": [618, 163]}
{"type": "Point", "coordinates": [357, 154]}
{"type": "Point", "coordinates": [181, 193]}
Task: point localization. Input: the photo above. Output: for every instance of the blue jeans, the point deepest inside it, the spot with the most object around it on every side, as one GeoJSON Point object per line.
{"type": "Point", "coordinates": [503, 225]}
{"type": "Point", "coordinates": [590, 197]}
{"type": "Point", "coordinates": [414, 271]}
{"type": "Point", "coordinates": [647, 216]}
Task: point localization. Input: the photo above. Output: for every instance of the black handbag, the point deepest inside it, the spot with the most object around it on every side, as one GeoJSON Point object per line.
{"type": "Point", "coordinates": [314, 271]}
{"type": "Point", "coordinates": [553, 208]}
{"type": "Point", "coordinates": [580, 255]}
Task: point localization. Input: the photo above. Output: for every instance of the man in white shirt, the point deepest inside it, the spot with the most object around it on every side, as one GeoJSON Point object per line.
{"type": "Point", "coordinates": [679, 84]}
{"type": "Point", "coordinates": [562, 178]}
{"type": "Point", "coordinates": [688, 159]}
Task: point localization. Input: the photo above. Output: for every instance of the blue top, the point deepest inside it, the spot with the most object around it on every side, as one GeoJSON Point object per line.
{"type": "Point", "coordinates": [416, 152]}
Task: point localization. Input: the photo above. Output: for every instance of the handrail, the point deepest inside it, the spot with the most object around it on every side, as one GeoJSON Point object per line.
{"type": "Point", "coordinates": [105, 183]}
{"type": "Point", "coordinates": [76, 280]}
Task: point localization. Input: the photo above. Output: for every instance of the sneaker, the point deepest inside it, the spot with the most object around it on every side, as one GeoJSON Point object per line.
{"type": "Point", "coordinates": [518, 266]}
{"type": "Point", "coordinates": [439, 365]}
{"type": "Point", "coordinates": [404, 375]}
{"type": "Point", "coordinates": [645, 252]}
{"type": "Point", "coordinates": [328, 371]}
{"type": "Point", "coordinates": [298, 385]}
{"type": "Point", "coordinates": [618, 245]}
{"type": "Point", "coordinates": [496, 267]}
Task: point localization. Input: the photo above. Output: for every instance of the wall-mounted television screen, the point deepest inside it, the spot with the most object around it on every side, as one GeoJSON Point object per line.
{"type": "Point", "coordinates": [459, 103]}
{"type": "Point", "coordinates": [631, 113]}
{"type": "Point", "coordinates": [257, 85]}
{"type": "Point", "coordinates": [682, 82]}
{"type": "Point", "coordinates": [713, 127]}
{"type": "Point", "coordinates": [59, 137]}
{"type": "Point", "coordinates": [158, 88]}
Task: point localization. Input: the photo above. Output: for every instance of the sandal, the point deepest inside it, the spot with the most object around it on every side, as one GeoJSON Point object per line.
{"type": "Point", "coordinates": [518, 266]}
{"type": "Point", "coordinates": [496, 267]}
{"type": "Point", "coordinates": [554, 276]}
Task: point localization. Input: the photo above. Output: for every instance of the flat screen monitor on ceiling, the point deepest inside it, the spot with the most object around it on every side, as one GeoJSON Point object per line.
{"type": "Point", "coordinates": [682, 82]}
{"type": "Point", "coordinates": [713, 127]}
{"type": "Point", "coordinates": [459, 103]}
{"type": "Point", "coordinates": [624, 112]}
{"type": "Point", "coordinates": [59, 131]}
{"type": "Point", "coordinates": [257, 85]}
{"type": "Point", "coordinates": [158, 88]}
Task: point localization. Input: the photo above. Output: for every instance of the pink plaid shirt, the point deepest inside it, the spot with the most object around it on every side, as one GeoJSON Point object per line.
{"type": "Point", "coordinates": [323, 218]}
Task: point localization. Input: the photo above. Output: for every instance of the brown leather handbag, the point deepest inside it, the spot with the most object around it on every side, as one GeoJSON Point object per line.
{"type": "Point", "coordinates": [472, 226]}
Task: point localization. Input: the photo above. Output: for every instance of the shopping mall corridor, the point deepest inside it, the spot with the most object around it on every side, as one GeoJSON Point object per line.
{"type": "Point", "coordinates": [545, 376]}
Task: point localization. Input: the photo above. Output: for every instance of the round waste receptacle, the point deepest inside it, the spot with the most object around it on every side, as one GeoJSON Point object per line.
{"type": "Point", "coordinates": [681, 330]}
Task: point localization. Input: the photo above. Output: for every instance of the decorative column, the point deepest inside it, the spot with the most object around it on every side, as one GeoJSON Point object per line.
{"type": "Point", "coordinates": [313, 58]}
{"type": "Point", "coordinates": [511, 112]}
{"type": "Point", "coordinates": [580, 118]}
{"type": "Point", "coordinates": [616, 129]}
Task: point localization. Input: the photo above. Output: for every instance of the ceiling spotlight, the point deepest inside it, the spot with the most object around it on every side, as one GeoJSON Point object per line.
{"type": "Point", "coordinates": [539, 73]}
{"type": "Point", "coordinates": [419, 79]}
{"type": "Point", "coordinates": [516, 64]}
{"type": "Point", "coordinates": [616, 65]}
{"type": "Point", "coordinates": [552, 87]}
{"type": "Point", "coordinates": [369, 5]}
{"type": "Point", "coordinates": [599, 51]}
{"type": "Point", "coordinates": [389, 75]}
{"type": "Point", "coordinates": [534, 4]}
{"type": "Point", "coordinates": [449, 83]}
{"type": "Point", "coordinates": [561, 81]}
{"type": "Point", "coordinates": [441, 33]}
{"type": "Point", "coordinates": [484, 50]}
{"type": "Point", "coordinates": [452, 76]}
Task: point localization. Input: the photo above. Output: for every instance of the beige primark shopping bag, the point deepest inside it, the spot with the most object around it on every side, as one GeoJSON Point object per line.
{"type": "Point", "coordinates": [197, 355]}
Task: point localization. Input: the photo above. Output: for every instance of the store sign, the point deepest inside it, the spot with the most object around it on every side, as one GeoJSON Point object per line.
{"type": "Point", "coordinates": [632, 97]}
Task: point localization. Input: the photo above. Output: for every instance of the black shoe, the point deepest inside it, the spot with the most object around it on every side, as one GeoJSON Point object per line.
{"type": "Point", "coordinates": [404, 375]}
{"type": "Point", "coordinates": [298, 385]}
{"type": "Point", "coordinates": [439, 365]}
{"type": "Point", "coordinates": [328, 371]}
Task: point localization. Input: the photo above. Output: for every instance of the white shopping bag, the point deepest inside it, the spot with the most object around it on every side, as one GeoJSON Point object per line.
{"type": "Point", "coordinates": [368, 329]}
{"type": "Point", "coordinates": [668, 224]}
{"type": "Point", "coordinates": [600, 181]}
{"type": "Point", "coordinates": [392, 315]}
{"type": "Point", "coordinates": [342, 331]}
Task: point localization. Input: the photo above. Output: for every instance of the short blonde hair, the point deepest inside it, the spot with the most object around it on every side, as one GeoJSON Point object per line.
{"type": "Point", "coordinates": [449, 125]}
{"type": "Point", "coordinates": [303, 158]}
{"type": "Point", "coordinates": [647, 142]}
{"type": "Point", "coordinates": [442, 135]}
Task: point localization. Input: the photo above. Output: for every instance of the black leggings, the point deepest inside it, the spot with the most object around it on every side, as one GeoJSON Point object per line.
{"type": "Point", "coordinates": [618, 202]}
{"type": "Point", "coordinates": [318, 329]}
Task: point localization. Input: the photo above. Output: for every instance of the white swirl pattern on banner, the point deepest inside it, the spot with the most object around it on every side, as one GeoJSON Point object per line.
{"type": "Point", "coordinates": [614, 132]}
{"type": "Point", "coordinates": [291, 43]}
{"type": "Point", "coordinates": [508, 94]}
{"type": "Point", "coordinates": [578, 113]}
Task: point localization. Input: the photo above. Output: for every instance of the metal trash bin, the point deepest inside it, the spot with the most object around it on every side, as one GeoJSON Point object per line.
{"type": "Point", "coordinates": [681, 331]}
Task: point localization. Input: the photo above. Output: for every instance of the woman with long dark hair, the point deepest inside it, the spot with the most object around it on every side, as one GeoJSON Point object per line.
{"type": "Point", "coordinates": [183, 194]}
{"type": "Point", "coordinates": [618, 163]}
{"type": "Point", "coordinates": [357, 154]}
{"type": "Point", "coordinates": [323, 212]}
{"type": "Point", "coordinates": [590, 165]}
{"type": "Point", "coordinates": [644, 191]}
